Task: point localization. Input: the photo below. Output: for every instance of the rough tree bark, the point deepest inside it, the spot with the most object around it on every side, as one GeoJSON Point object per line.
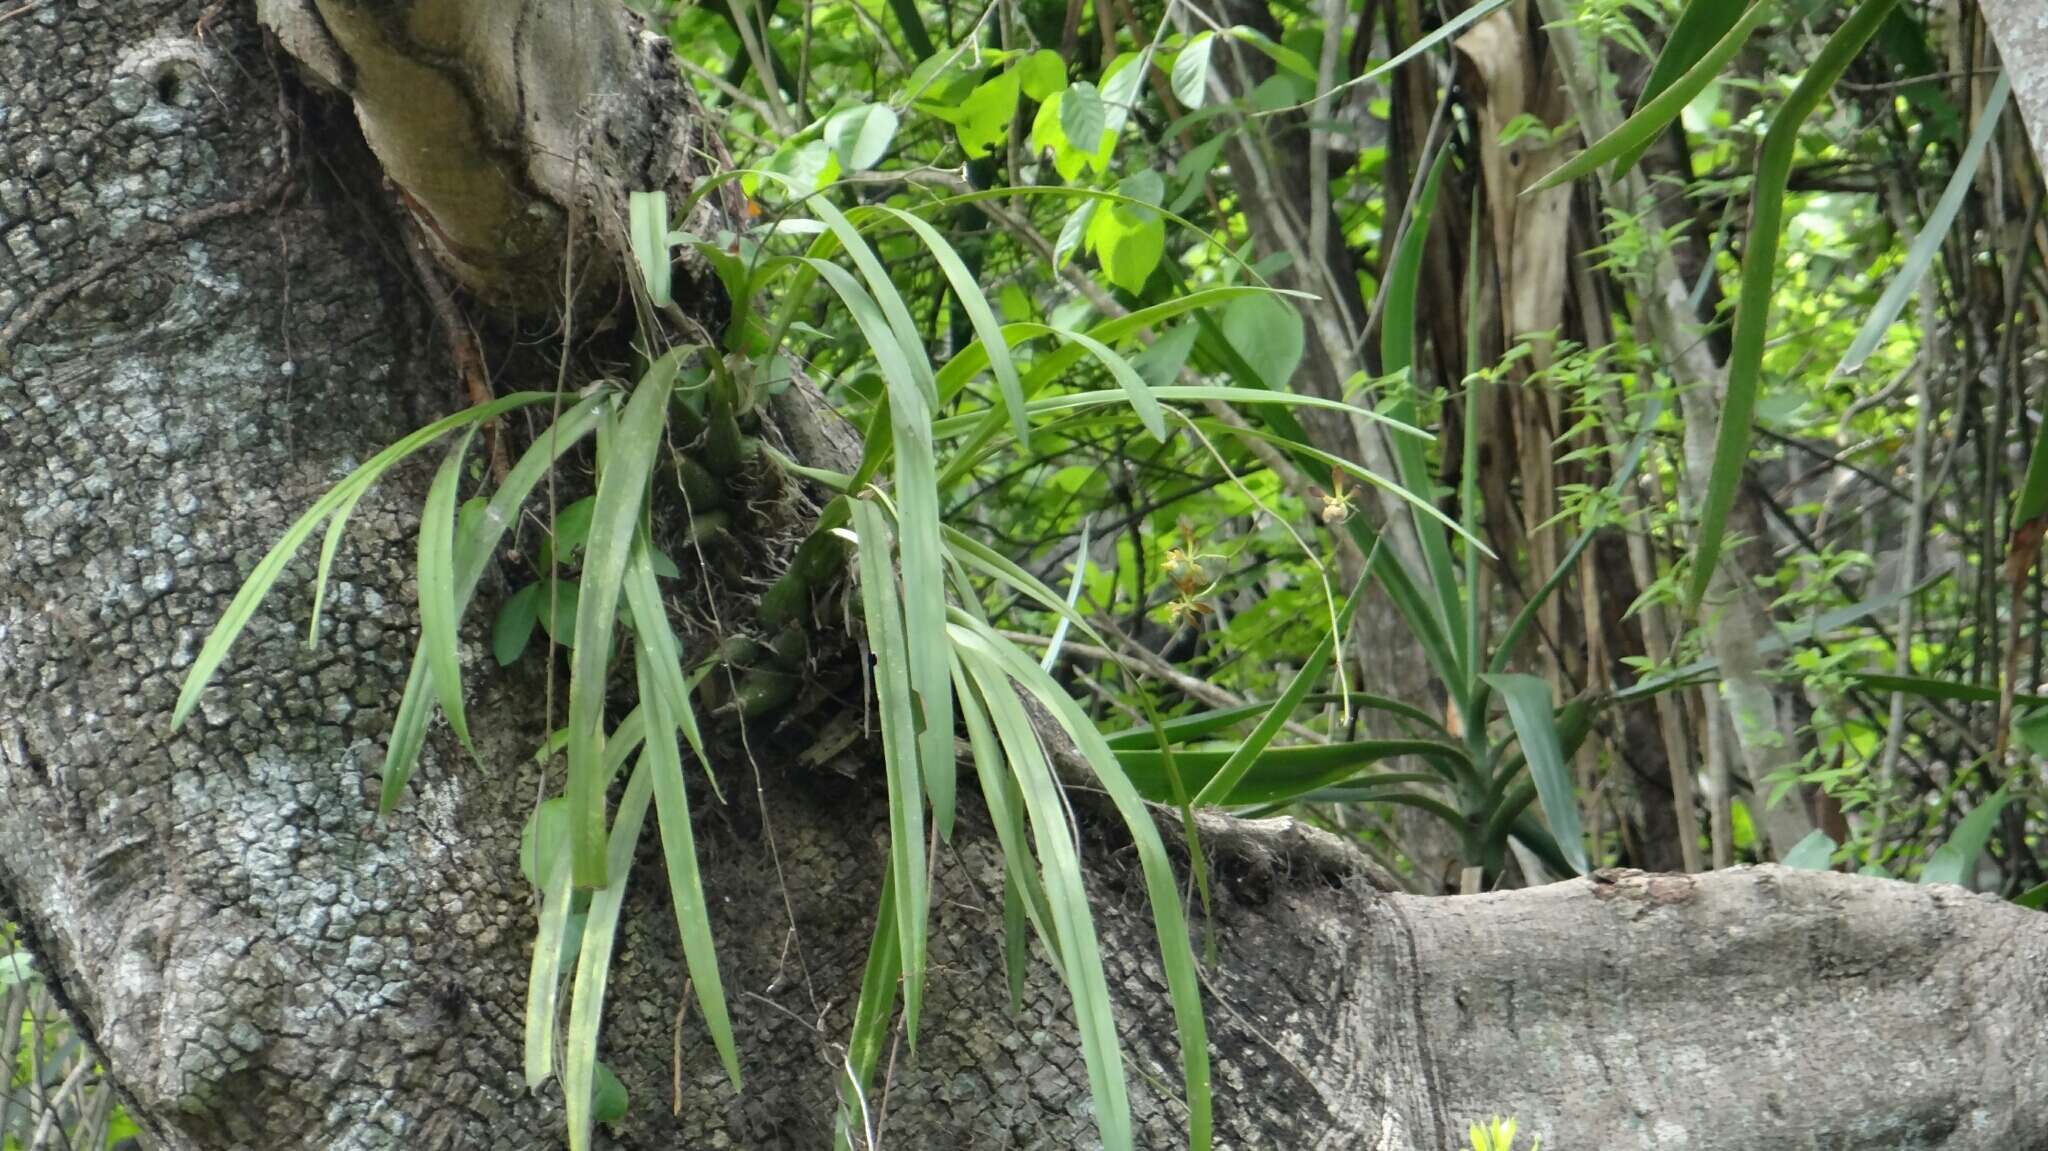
{"type": "Point", "coordinates": [2020, 29]}
{"type": "Point", "coordinates": [206, 317]}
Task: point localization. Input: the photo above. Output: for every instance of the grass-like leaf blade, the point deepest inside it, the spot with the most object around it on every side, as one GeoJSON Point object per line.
{"type": "Point", "coordinates": [344, 494]}
{"type": "Point", "coordinates": [1529, 710]}
{"type": "Point", "coordinates": [436, 575]}
{"type": "Point", "coordinates": [1067, 897]}
{"type": "Point", "coordinates": [871, 1017]}
{"type": "Point", "coordinates": [1241, 761]}
{"type": "Point", "coordinates": [679, 853]}
{"type": "Point", "coordinates": [594, 961]}
{"type": "Point", "coordinates": [884, 617]}
{"type": "Point", "coordinates": [1635, 134]}
{"type": "Point", "coordinates": [1956, 860]}
{"type": "Point", "coordinates": [987, 329]}
{"type": "Point", "coordinates": [1927, 244]}
{"type": "Point", "coordinates": [1176, 951]}
{"type": "Point", "coordinates": [473, 555]}
{"type": "Point", "coordinates": [1759, 271]}
{"type": "Point", "coordinates": [1698, 28]}
{"type": "Point", "coordinates": [627, 460]}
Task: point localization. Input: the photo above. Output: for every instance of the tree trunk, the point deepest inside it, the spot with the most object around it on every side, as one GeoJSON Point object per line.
{"type": "Point", "coordinates": [2020, 29]}
{"type": "Point", "coordinates": [207, 319]}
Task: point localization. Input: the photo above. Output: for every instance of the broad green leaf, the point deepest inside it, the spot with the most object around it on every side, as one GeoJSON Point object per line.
{"type": "Point", "coordinates": [798, 169]}
{"type": "Point", "coordinates": [1191, 70]}
{"type": "Point", "coordinates": [1048, 134]}
{"type": "Point", "coordinates": [1529, 710]}
{"type": "Point", "coordinates": [1956, 861]}
{"type": "Point", "coordinates": [1759, 271]}
{"type": "Point", "coordinates": [1813, 853]}
{"type": "Point", "coordinates": [860, 136]}
{"type": "Point", "coordinates": [608, 1102]}
{"type": "Point", "coordinates": [1120, 94]}
{"type": "Point", "coordinates": [1042, 73]}
{"type": "Point", "coordinates": [438, 610]}
{"type": "Point", "coordinates": [514, 625]}
{"type": "Point", "coordinates": [885, 623]}
{"type": "Point", "coordinates": [1129, 242]}
{"type": "Point", "coordinates": [1160, 365]}
{"type": "Point", "coordinates": [558, 601]}
{"type": "Point", "coordinates": [569, 531]}
{"type": "Point", "coordinates": [1267, 331]}
{"type": "Point", "coordinates": [985, 116]}
{"type": "Point", "coordinates": [1081, 115]}
{"type": "Point", "coordinates": [626, 462]}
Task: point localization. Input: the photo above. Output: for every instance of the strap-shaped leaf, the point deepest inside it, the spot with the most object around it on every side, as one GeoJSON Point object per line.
{"type": "Point", "coordinates": [1067, 896]}
{"type": "Point", "coordinates": [343, 495]}
{"type": "Point", "coordinates": [884, 618]}
{"type": "Point", "coordinates": [626, 461]}
{"type": "Point", "coordinates": [1241, 761]}
{"type": "Point", "coordinates": [1529, 710]}
{"type": "Point", "coordinates": [679, 853]}
{"type": "Point", "coordinates": [1634, 134]}
{"type": "Point", "coordinates": [436, 575]}
{"type": "Point", "coordinates": [1759, 273]}
{"type": "Point", "coordinates": [473, 555]}
{"type": "Point", "coordinates": [594, 962]}
{"type": "Point", "coordinates": [1162, 892]}
{"type": "Point", "coordinates": [920, 552]}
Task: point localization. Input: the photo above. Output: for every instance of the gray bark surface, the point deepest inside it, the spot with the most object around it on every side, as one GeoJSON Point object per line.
{"type": "Point", "coordinates": [206, 320]}
{"type": "Point", "coordinates": [2020, 29]}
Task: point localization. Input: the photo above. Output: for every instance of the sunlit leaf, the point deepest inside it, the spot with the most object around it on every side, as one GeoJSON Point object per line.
{"type": "Point", "coordinates": [860, 136]}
